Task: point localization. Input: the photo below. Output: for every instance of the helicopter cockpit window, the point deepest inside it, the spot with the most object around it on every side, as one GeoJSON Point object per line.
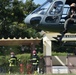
{"type": "Point", "coordinates": [66, 10]}
{"type": "Point", "coordinates": [54, 13]}
{"type": "Point", "coordinates": [42, 9]}
{"type": "Point", "coordinates": [57, 8]}
{"type": "Point", "coordinates": [65, 13]}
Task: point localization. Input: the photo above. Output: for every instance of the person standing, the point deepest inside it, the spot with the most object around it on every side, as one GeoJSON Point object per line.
{"type": "Point", "coordinates": [12, 63]}
{"type": "Point", "coordinates": [35, 60]}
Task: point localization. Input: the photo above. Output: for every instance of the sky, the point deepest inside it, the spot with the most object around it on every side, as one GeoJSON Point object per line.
{"type": "Point", "coordinates": [38, 1]}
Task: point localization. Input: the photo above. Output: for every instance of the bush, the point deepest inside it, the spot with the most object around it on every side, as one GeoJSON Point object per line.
{"type": "Point", "coordinates": [60, 54]}
{"type": "Point", "coordinates": [22, 57]}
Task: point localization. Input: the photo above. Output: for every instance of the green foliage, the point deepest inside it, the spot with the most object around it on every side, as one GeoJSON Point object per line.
{"type": "Point", "coordinates": [30, 6]}
{"type": "Point", "coordinates": [61, 48]}
{"type": "Point", "coordinates": [12, 14]}
{"type": "Point", "coordinates": [59, 54]}
{"type": "Point", "coordinates": [23, 59]}
{"type": "Point", "coordinates": [6, 50]}
{"type": "Point", "coordinates": [32, 33]}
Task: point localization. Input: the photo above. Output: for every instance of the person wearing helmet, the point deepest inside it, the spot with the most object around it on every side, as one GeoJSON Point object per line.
{"type": "Point", "coordinates": [35, 60]}
{"type": "Point", "coordinates": [70, 19]}
{"type": "Point", "coordinates": [12, 63]}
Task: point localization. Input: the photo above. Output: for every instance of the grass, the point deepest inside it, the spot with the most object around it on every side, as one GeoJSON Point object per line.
{"type": "Point", "coordinates": [35, 74]}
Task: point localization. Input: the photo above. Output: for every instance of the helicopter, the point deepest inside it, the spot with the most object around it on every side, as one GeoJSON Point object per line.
{"type": "Point", "coordinates": [50, 16]}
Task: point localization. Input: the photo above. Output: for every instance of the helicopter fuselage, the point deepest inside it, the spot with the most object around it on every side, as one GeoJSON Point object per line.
{"type": "Point", "coordinates": [50, 17]}
{"type": "Point", "coordinates": [54, 28]}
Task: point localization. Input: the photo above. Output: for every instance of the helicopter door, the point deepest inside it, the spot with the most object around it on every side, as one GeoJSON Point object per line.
{"type": "Point", "coordinates": [54, 12]}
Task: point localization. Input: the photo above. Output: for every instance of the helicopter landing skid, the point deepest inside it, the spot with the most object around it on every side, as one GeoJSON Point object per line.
{"type": "Point", "coordinates": [59, 38]}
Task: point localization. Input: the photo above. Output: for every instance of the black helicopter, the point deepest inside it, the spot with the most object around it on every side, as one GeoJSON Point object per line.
{"type": "Point", "coordinates": [50, 16]}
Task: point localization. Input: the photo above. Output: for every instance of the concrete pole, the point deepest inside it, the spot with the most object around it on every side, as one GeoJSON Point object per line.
{"type": "Point", "coordinates": [47, 52]}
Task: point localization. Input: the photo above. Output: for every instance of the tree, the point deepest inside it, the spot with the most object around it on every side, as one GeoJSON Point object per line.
{"type": "Point", "coordinates": [30, 6]}
{"type": "Point", "coordinates": [12, 14]}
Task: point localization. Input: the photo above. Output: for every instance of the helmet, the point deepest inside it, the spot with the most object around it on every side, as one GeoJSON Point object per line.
{"type": "Point", "coordinates": [12, 53]}
{"type": "Point", "coordinates": [73, 5]}
{"type": "Point", "coordinates": [34, 51]}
